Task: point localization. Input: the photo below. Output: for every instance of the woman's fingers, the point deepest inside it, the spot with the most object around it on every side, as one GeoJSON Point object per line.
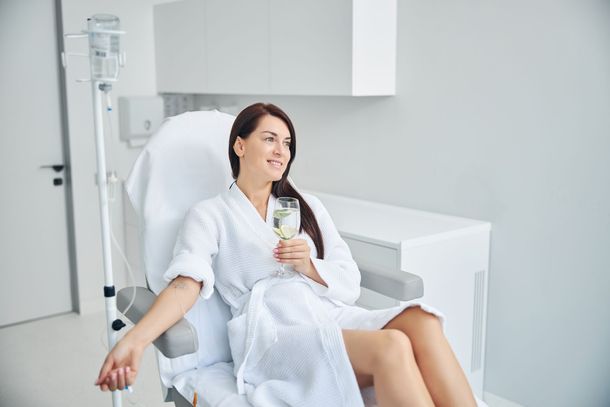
{"type": "Point", "coordinates": [300, 246]}
{"type": "Point", "coordinates": [120, 367]}
{"type": "Point", "coordinates": [118, 379]}
{"type": "Point", "coordinates": [111, 382]}
{"type": "Point", "coordinates": [292, 250]}
{"type": "Point", "coordinates": [293, 254]}
{"type": "Point", "coordinates": [129, 376]}
{"type": "Point", "coordinates": [121, 379]}
{"type": "Point", "coordinates": [106, 367]}
{"type": "Point", "coordinates": [292, 242]}
{"type": "Point", "coordinates": [293, 258]}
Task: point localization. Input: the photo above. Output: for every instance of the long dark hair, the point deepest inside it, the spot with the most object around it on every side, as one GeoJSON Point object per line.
{"type": "Point", "coordinates": [245, 123]}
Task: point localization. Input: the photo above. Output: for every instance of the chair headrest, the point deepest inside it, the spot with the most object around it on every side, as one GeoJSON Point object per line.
{"type": "Point", "coordinates": [184, 162]}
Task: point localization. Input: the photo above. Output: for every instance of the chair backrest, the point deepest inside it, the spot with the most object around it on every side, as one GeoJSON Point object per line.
{"type": "Point", "coordinates": [184, 162]}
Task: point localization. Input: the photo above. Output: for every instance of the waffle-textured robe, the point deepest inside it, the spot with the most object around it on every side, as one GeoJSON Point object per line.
{"type": "Point", "coordinates": [285, 334]}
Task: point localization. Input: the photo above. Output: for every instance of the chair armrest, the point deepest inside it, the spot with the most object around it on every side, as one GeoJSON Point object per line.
{"type": "Point", "coordinates": [180, 339]}
{"type": "Point", "coordinates": [400, 285]}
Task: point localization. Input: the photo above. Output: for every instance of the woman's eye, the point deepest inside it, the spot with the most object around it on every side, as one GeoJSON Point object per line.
{"type": "Point", "coordinates": [269, 139]}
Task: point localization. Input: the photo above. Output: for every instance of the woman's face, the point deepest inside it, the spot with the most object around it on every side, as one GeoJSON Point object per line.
{"type": "Point", "coordinates": [266, 152]}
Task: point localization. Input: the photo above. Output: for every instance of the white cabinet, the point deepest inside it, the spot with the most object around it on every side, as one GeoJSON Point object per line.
{"type": "Point", "coordinates": [310, 47]}
{"type": "Point", "coordinates": [276, 47]}
{"type": "Point", "coordinates": [237, 50]}
{"type": "Point", "coordinates": [450, 254]}
{"type": "Point", "coordinates": [180, 59]}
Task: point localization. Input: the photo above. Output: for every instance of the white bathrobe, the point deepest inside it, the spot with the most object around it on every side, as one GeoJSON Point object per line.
{"type": "Point", "coordinates": [285, 334]}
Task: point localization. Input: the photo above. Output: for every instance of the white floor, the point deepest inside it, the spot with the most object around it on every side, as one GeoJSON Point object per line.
{"type": "Point", "coordinates": [54, 362]}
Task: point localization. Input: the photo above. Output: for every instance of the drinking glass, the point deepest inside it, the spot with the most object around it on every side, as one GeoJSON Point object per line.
{"type": "Point", "coordinates": [286, 223]}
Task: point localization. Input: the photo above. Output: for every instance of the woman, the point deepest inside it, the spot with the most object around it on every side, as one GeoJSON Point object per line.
{"type": "Point", "coordinates": [295, 340]}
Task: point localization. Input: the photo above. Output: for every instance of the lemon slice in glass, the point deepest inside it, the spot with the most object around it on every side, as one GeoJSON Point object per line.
{"type": "Point", "coordinates": [285, 232]}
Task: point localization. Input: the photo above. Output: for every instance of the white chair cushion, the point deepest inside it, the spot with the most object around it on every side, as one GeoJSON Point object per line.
{"type": "Point", "coordinates": [184, 162]}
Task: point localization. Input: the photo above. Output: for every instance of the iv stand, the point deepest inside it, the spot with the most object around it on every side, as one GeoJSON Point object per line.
{"type": "Point", "coordinates": [102, 182]}
{"type": "Point", "coordinates": [113, 324]}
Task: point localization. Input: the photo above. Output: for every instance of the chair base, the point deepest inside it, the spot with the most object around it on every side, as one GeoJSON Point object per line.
{"type": "Point", "coordinates": [177, 398]}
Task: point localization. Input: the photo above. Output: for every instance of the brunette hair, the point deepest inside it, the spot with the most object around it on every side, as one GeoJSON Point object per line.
{"type": "Point", "coordinates": [245, 123]}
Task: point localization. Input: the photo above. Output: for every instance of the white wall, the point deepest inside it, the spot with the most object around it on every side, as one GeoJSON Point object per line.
{"type": "Point", "coordinates": [136, 79]}
{"type": "Point", "coordinates": [502, 113]}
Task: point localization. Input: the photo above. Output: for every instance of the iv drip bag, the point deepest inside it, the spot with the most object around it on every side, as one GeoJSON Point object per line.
{"type": "Point", "coordinates": [104, 47]}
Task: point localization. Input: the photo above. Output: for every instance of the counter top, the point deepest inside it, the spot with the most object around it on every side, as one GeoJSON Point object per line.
{"type": "Point", "coordinates": [394, 225]}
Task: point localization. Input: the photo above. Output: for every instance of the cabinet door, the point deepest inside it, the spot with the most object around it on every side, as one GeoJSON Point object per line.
{"type": "Point", "coordinates": [237, 44]}
{"type": "Point", "coordinates": [311, 47]}
{"type": "Point", "coordinates": [179, 42]}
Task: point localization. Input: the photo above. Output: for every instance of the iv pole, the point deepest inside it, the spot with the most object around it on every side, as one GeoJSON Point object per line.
{"type": "Point", "coordinates": [102, 183]}
{"type": "Point", "coordinates": [98, 86]}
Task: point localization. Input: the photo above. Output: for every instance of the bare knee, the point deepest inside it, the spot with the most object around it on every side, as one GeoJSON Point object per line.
{"type": "Point", "coordinates": [420, 326]}
{"type": "Point", "coordinates": [394, 348]}
{"type": "Point", "coordinates": [424, 318]}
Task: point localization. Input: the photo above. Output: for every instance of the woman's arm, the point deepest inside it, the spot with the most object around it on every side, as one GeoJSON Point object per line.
{"type": "Point", "coordinates": [170, 306]}
{"type": "Point", "coordinates": [189, 275]}
{"type": "Point", "coordinates": [121, 365]}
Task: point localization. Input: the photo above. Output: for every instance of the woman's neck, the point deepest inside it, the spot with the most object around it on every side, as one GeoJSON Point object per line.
{"type": "Point", "coordinates": [258, 194]}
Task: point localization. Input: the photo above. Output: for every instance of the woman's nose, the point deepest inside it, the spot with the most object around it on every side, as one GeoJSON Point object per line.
{"type": "Point", "coordinates": [280, 149]}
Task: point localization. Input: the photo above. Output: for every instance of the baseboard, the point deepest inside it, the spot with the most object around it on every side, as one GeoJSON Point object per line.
{"type": "Point", "coordinates": [493, 400]}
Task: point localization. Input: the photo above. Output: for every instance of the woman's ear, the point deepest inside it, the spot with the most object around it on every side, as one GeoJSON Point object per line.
{"type": "Point", "coordinates": [238, 146]}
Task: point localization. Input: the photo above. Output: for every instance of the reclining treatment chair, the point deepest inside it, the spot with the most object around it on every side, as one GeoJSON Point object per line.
{"type": "Point", "coordinates": [184, 162]}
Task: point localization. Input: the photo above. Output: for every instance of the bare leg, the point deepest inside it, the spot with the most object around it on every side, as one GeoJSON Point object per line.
{"type": "Point", "coordinates": [387, 356]}
{"type": "Point", "coordinates": [438, 365]}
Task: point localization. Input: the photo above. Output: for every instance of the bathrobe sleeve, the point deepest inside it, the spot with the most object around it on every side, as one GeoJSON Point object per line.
{"type": "Point", "coordinates": [195, 248]}
{"type": "Point", "coordinates": [338, 269]}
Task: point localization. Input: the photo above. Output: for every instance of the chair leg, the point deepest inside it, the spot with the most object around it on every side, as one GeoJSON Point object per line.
{"type": "Point", "coordinates": [179, 400]}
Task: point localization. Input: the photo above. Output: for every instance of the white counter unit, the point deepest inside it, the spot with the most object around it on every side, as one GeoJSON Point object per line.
{"type": "Point", "coordinates": [450, 254]}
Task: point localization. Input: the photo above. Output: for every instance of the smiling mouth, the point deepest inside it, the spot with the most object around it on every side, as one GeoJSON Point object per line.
{"type": "Point", "coordinates": [274, 163]}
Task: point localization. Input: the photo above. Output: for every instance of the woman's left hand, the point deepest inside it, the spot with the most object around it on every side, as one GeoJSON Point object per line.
{"type": "Point", "coordinates": [295, 252]}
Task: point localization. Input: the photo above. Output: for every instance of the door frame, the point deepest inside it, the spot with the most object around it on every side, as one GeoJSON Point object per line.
{"type": "Point", "coordinates": [65, 139]}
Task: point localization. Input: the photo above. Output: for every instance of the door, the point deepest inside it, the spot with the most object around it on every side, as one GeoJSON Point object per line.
{"type": "Point", "coordinates": [34, 260]}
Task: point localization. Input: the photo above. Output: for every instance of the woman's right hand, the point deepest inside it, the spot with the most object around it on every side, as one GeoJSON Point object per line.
{"type": "Point", "coordinates": [120, 366]}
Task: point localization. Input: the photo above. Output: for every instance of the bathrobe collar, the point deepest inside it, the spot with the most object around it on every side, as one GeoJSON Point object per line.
{"type": "Point", "coordinates": [240, 203]}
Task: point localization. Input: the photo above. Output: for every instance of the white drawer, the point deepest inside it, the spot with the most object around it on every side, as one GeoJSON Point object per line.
{"type": "Point", "coordinates": [370, 256]}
